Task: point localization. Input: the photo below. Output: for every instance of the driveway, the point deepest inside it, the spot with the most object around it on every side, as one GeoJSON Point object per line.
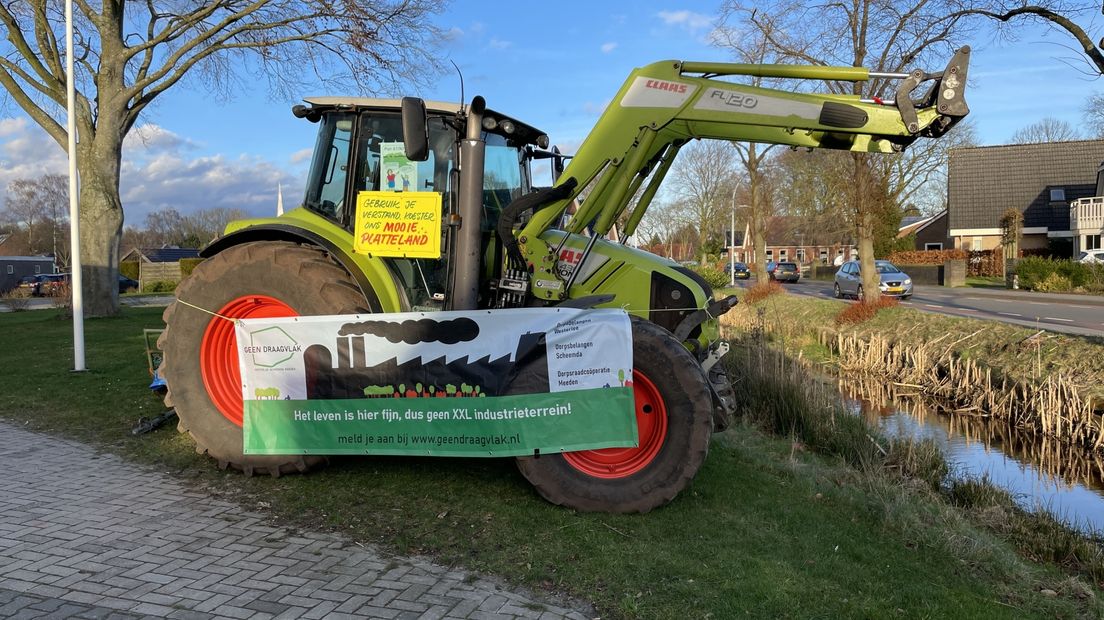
{"type": "Point", "coordinates": [87, 535]}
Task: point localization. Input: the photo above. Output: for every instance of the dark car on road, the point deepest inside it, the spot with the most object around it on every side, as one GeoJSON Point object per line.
{"type": "Point", "coordinates": [52, 285]}
{"type": "Point", "coordinates": [740, 271]}
{"type": "Point", "coordinates": [127, 285]}
{"type": "Point", "coordinates": [29, 284]}
{"type": "Point", "coordinates": [891, 281]}
{"type": "Point", "coordinates": [785, 272]}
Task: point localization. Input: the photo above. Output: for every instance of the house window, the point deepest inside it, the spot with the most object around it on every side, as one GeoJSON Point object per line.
{"type": "Point", "coordinates": [977, 244]}
{"type": "Point", "coordinates": [1057, 194]}
{"type": "Point", "coordinates": [824, 255]}
{"type": "Point", "coordinates": [11, 269]}
{"type": "Point", "coordinates": [801, 255]}
{"type": "Point", "coordinates": [1092, 242]}
{"type": "Point", "coordinates": [38, 269]}
{"type": "Point", "coordinates": [933, 246]}
{"type": "Point", "coordinates": [770, 254]}
{"type": "Point", "coordinates": [782, 254]}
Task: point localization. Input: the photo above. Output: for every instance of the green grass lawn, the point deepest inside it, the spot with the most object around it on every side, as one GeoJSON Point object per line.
{"type": "Point", "coordinates": [768, 529]}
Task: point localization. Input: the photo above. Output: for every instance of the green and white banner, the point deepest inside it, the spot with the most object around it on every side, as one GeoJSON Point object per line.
{"type": "Point", "coordinates": [478, 383]}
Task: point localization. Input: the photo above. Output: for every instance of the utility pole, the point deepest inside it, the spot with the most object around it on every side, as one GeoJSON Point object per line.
{"type": "Point", "coordinates": [732, 240]}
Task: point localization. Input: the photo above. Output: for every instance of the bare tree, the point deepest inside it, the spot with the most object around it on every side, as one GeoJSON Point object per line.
{"type": "Point", "coordinates": [753, 47]}
{"type": "Point", "coordinates": [883, 35]}
{"type": "Point", "coordinates": [702, 179]}
{"type": "Point", "coordinates": [1048, 129]}
{"type": "Point", "coordinates": [40, 208]}
{"type": "Point", "coordinates": [1093, 113]}
{"type": "Point", "coordinates": [1070, 17]}
{"type": "Point", "coordinates": [127, 54]}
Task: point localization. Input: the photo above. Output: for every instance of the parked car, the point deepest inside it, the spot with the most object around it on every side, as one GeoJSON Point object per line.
{"type": "Point", "coordinates": [29, 284]}
{"type": "Point", "coordinates": [740, 271]}
{"type": "Point", "coordinates": [52, 284]}
{"type": "Point", "coordinates": [1091, 256]}
{"type": "Point", "coordinates": [126, 284]}
{"type": "Point", "coordinates": [785, 272]}
{"type": "Point", "coordinates": [891, 281]}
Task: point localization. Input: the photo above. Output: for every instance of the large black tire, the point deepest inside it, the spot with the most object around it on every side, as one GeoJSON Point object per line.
{"type": "Point", "coordinates": [303, 278]}
{"type": "Point", "coordinates": [677, 380]}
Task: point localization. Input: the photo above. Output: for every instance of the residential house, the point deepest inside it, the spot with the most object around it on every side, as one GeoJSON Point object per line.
{"type": "Point", "coordinates": [12, 268]}
{"type": "Point", "coordinates": [157, 264]}
{"type": "Point", "coordinates": [1052, 184]}
{"type": "Point", "coordinates": [931, 232]}
{"type": "Point", "coordinates": [801, 240]}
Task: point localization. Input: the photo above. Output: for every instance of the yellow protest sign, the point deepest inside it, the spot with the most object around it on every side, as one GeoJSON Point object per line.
{"type": "Point", "coordinates": [398, 224]}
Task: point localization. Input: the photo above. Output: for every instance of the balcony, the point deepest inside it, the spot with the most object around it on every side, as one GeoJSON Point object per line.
{"type": "Point", "coordinates": [1087, 214]}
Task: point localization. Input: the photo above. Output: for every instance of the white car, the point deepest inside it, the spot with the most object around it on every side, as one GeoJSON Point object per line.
{"type": "Point", "coordinates": [1092, 256]}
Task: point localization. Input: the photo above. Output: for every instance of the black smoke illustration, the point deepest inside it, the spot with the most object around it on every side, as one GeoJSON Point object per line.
{"type": "Point", "coordinates": [414, 331]}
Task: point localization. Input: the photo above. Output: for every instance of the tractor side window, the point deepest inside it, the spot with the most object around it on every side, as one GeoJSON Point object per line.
{"type": "Point", "coordinates": [329, 168]}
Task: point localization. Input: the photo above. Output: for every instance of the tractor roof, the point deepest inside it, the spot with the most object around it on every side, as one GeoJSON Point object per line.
{"type": "Point", "coordinates": [525, 131]}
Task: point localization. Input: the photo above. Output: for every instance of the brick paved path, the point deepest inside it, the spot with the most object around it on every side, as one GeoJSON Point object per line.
{"type": "Point", "coordinates": [86, 535]}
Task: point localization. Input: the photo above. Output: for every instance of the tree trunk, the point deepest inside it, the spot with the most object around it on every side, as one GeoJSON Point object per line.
{"type": "Point", "coordinates": [864, 202]}
{"type": "Point", "coordinates": [101, 227]}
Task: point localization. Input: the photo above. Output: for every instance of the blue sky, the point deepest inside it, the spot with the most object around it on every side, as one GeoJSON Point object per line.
{"type": "Point", "coordinates": [552, 64]}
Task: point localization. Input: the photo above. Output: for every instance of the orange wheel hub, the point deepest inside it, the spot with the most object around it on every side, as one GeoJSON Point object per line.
{"type": "Point", "coordinates": [218, 355]}
{"type": "Point", "coordinates": [651, 429]}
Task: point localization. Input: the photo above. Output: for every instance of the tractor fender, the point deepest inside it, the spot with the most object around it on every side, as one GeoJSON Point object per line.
{"type": "Point", "coordinates": [378, 285]}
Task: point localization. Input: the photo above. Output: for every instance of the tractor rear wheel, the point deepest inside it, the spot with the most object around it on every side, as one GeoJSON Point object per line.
{"type": "Point", "coordinates": [674, 422]}
{"type": "Point", "coordinates": [255, 280]}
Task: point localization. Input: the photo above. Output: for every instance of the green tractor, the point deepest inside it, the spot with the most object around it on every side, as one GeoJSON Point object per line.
{"type": "Point", "coordinates": [506, 244]}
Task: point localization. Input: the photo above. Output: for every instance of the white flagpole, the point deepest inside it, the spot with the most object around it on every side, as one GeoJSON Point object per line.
{"type": "Point", "coordinates": [74, 213]}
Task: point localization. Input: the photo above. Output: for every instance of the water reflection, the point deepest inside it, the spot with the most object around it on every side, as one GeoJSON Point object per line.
{"type": "Point", "coordinates": [1039, 471]}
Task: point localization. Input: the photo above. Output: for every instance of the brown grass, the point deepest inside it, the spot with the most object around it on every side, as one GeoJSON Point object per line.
{"type": "Point", "coordinates": [864, 310]}
{"type": "Point", "coordinates": [762, 290]}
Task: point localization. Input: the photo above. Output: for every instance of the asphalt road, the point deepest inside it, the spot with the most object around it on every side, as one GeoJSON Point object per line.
{"type": "Point", "coordinates": [1072, 314]}
{"type": "Point", "coordinates": [43, 303]}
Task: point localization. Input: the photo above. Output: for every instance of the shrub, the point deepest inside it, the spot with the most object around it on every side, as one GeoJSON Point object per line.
{"type": "Point", "coordinates": [129, 269]}
{"type": "Point", "coordinates": [159, 286]}
{"type": "Point", "coordinates": [1054, 283]}
{"type": "Point", "coordinates": [761, 291]}
{"type": "Point", "coordinates": [17, 299]}
{"type": "Point", "coordinates": [1033, 270]}
{"type": "Point", "coordinates": [713, 276]}
{"type": "Point", "coordinates": [864, 310]}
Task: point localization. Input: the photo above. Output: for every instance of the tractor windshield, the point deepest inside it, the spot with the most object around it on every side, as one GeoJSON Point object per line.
{"type": "Point", "coordinates": [378, 163]}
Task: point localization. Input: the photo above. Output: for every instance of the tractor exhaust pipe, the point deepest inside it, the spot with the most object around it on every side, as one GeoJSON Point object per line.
{"type": "Point", "coordinates": [465, 285]}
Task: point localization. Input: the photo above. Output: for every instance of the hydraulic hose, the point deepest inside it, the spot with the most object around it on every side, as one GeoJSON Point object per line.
{"type": "Point", "coordinates": [520, 205]}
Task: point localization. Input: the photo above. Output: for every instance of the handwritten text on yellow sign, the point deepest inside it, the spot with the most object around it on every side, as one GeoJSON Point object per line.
{"type": "Point", "coordinates": [398, 224]}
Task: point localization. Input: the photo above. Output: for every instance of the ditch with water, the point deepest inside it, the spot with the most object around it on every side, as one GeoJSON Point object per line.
{"type": "Point", "coordinates": [1040, 472]}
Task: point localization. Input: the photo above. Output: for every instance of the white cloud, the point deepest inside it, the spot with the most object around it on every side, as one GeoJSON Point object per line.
{"type": "Point", "coordinates": [499, 44]}
{"type": "Point", "coordinates": [160, 172]}
{"type": "Point", "coordinates": [608, 47]}
{"type": "Point", "coordinates": [301, 155]}
{"type": "Point", "coordinates": [688, 20]}
{"type": "Point", "coordinates": [152, 137]}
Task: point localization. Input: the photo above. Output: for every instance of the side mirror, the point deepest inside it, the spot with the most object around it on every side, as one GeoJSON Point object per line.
{"type": "Point", "coordinates": [557, 164]}
{"type": "Point", "coordinates": [415, 129]}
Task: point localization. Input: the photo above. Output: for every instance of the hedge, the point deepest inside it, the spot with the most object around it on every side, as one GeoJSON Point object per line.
{"type": "Point", "coordinates": [1055, 276]}
{"type": "Point", "coordinates": [978, 263]}
{"type": "Point", "coordinates": [129, 269]}
{"type": "Point", "coordinates": [187, 265]}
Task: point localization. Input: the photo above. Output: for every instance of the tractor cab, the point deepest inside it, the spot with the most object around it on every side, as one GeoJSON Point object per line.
{"type": "Point", "coordinates": [360, 147]}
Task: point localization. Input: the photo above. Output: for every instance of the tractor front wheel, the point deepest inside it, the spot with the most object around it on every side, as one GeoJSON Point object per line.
{"type": "Point", "coordinates": [255, 280]}
{"type": "Point", "coordinates": [674, 422]}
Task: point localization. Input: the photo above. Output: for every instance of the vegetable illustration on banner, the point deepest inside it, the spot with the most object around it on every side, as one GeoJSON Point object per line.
{"type": "Point", "coordinates": [398, 224]}
{"type": "Point", "coordinates": [479, 383]}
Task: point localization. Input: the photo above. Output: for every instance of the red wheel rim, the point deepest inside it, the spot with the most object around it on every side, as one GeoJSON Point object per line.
{"type": "Point", "coordinates": [651, 429]}
{"type": "Point", "coordinates": [218, 355]}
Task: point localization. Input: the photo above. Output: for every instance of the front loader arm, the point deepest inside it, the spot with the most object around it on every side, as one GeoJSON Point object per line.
{"type": "Point", "coordinates": [664, 105]}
